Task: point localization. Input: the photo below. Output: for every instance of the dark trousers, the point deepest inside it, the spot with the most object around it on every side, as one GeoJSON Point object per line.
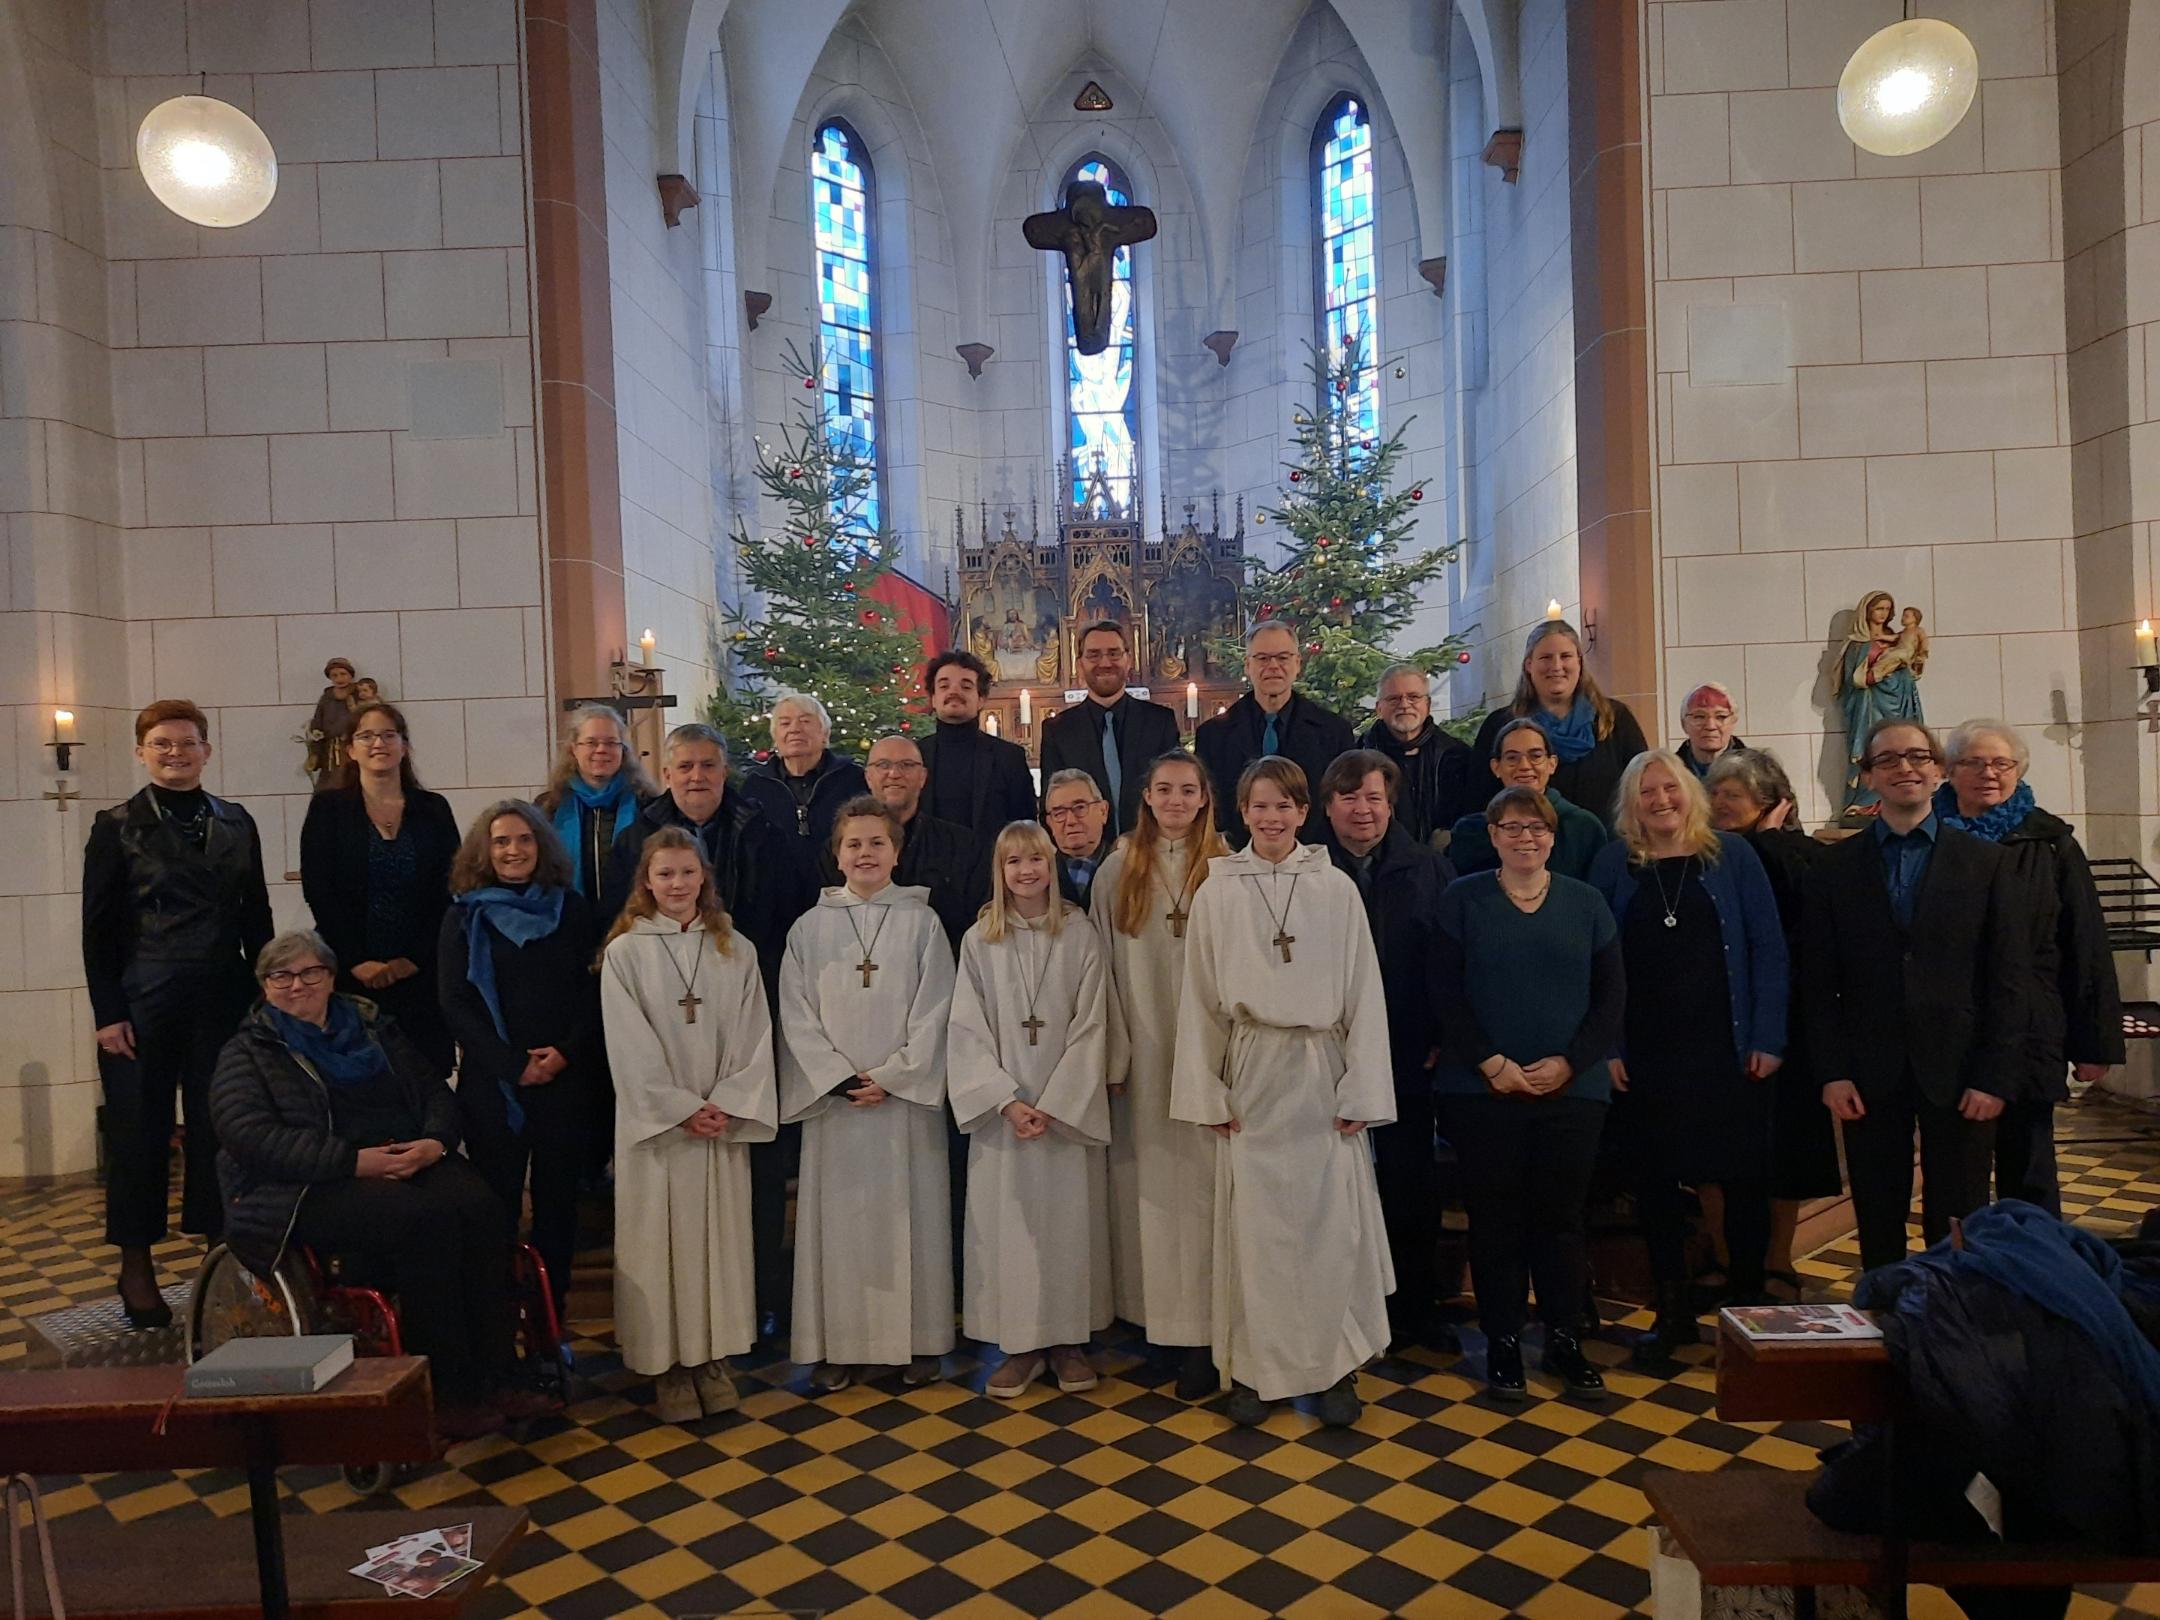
{"type": "Point", "coordinates": [441, 1243]}
{"type": "Point", "coordinates": [183, 1016]}
{"type": "Point", "coordinates": [771, 1164]}
{"type": "Point", "coordinates": [1410, 1207]}
{"type": "Point", "coordinates": [1661, 1205]}
{"type": "Point", "coordinates": [2025, 1155]}
{"type": "Point", "coordinates": [1525, 1166]}
{"type": "Point", "coordinates": [552, 1146]}
{"type": "Point", "coordinates": [1955, 1159]}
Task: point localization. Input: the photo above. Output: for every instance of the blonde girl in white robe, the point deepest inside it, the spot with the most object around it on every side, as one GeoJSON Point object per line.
{"type": "Point", "coordinates": [1283, 1052]}
{"type": "Point", "coordinates": [1025, 1073]}
{"type": "Point", "coordinates": [865, 991]}
{"type": "Point", "coordinates": [690, 1043]}
{"type": "Point", "coordinates": [1162, 1173]}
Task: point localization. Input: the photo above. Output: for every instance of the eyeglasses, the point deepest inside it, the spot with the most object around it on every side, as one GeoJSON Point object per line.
{"type": "Point", "coordinates": [1073, 812]}
{"type": "Point", "coordinates": [1533, 757]}
{"type": "Point", "coordinates": [1270, 660]}
{"type": "Point", "coordinates": [598, 745]}
{"type": "Point", "coordinates": [1721, 716]}
{"type": "Point", "coordinates": [286, 978]}
{"type": "Point", "coordinates": [1914, 757]}
{"type": "Point", "coordinates": [1989, 767]}
{"type": "Point", "coordinates": [368, 739]}
{"type": "Point", "coordinates": [161, 747]}
{"type": "Point", "coordinates": [896, 767]}
{"type": "Point", "coordinates": [1522, 829]}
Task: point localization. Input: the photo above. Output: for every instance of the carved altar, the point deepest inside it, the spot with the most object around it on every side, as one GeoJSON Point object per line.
{"type": "Point", "coordinates": [1021, 601]}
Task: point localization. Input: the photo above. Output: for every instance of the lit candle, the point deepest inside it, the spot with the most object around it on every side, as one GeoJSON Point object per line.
{"type": "Point", "coordinates": [1552, 608]}
{"type": "Point", "coordinates": [2145, 642]}
{"type": "Point", "coordinates": [1192, 700]}
{"type": "Point", "coordinates": [647, 641]}
{"type": "Point", "coordinates": [1027, 708]}
{"type": "Point", "coordinates": [990, 724]}
{"type": "Point", "coordinates": [64, 725]}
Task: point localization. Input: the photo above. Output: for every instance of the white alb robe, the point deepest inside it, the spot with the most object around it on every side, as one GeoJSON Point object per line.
{"type": "Point", "coordinates": [873, 1221]}
{"type": "Point", "coordinates": [1162, 1171]}
{"type": "Point", "coordinates": [1037, 1229]}
{"type": "Point", "coordinates": [684, 1278]}
{"type": "Point", "coordinates": [1302, 1271]}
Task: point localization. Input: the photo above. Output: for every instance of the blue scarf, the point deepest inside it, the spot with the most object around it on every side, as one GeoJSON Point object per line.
{"type": "Point", "coordinates": [342, 1050]}
{"type": "Point", "coordinates": [1990, 825]}
{"type": "Point", "coordinates": [520, 919]}
{"type": "Point", "coordinates": [1573, 736]}
{"type": "Point", "coordinates": [619, 795]}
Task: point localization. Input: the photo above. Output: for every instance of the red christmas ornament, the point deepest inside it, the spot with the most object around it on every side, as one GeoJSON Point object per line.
{"type": "Point", "coordinates": [794, 472]}
{"type": "Point", "coordinates": [1267, 608]}
{"type": "Point", "coordinates": [1322, 542]}
{"type": "Point", "coordinates": [1342, 385]}
{"type": "Point", "coordinates": [1462, 658]}
{"type": "Point", "coordinates": [771, 653]}
{"type": "Point", "coordinates": [869, 616]}
{"type": "Point", "coordinates": [809, 382]}
{"type": "Point", "coordinates": [848, 586]}
{"type": "Point", "coordinates": [907, 725]}
{"type": "Point", "coordinates": [1296, 476]}
{"type": "Point", "coordinates": [1312, 646]}
{"type": "Point", "coordinates": [1334, 601]}
{"type": "Point", "coordinates": [1418, 494]}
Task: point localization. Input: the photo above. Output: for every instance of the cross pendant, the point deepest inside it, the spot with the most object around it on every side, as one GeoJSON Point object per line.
{"type": "Point", "coordinates": [1175, 917]}
{"type": "Point", "coordinates": [689, 1005]}
{"type": "Point", "coordinates": [1282, 942]}
{"type": "Point", "coordinates": [866, 967]}
{"type": "Point", "coordinates": [1033, 1026]}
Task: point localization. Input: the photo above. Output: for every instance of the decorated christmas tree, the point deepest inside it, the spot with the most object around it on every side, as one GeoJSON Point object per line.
{"type": "Point", "coordinates": [812, 626]}
{"type": "Point", "coordinates": [1342, 583]}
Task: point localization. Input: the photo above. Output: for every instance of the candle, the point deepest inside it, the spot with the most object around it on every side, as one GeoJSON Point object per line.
{"type": "Point", "coordinates": [63, 725]}
{"type": "Point", "coordinates": [1552, 608]}
{"type": "Point", "coordinates": [1027, 708]}
{"type": "Point", "coordinates": [647, 641]}
{"type": "Point", "coordinates": [990, 724]}
{"type": "Point", "coordinates": [1192, 700]}
{"type": "Point", "coordinates": [2145, 641]}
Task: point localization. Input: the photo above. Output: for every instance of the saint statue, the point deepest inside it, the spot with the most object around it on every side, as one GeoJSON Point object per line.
{"type": "Point", "coordinates": [1877, 678]}
{"type": "Point", "coordinates": [1089, 230]}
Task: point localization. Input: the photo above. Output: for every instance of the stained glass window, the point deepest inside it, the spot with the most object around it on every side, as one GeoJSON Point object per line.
{"type": "Point", "coordinates": [1102, 405]}
{"type": "Point", "coordinates": [847, 308]}
{"type": "Point", "coordinates": [1347, 251]}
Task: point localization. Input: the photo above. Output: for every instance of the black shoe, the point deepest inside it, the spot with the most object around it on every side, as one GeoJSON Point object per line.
{"type": "Point", "coordinates": [1675, 1327]}
{"type": "Point", "coordinates": [1339, 1403]}
{"type": "Point", "coordinates": [1197, 1378]}
{"type": "Point", "coordinates": [1503, 1367]}
{"type": "Point", "coordinates": [1589, 1324]}
{"type": "Point", "coordinates": [1245, 1407]}
{"type": "Point", "coordinates": [147, 1318]}
{"type": "Point", "coordinates": [1564, 1358]}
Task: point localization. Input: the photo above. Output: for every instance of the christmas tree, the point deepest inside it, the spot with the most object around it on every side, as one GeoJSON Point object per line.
{"type": "Point", "coordinates": [812, 626]}
{"type": "Point", "coordinates": [1342, 583]}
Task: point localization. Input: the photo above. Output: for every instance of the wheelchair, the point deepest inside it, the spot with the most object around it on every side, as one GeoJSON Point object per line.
{"type": "Point", "coordinates": [328, 1293]}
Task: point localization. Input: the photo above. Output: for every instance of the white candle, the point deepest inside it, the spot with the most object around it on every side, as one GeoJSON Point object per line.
{"type": "Point", "coordinates": [1027, 708]}
{"type": "Point", "coordinates": [1553, 609]}
{"type": "Point", "coordinates": [990, 724]}
{"type": "Point", "coordinates": [1192, 700]}
{"type": "Point", "coordinates": [647, 641]}
{"type": "Point", "coordinates": [63, 725]}
{"type": "Point", "coordinates": [2145, 641]}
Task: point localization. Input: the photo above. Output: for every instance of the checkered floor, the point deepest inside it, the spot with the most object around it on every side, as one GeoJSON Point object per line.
{"type": "Point", "coordinates": [882, 1502]}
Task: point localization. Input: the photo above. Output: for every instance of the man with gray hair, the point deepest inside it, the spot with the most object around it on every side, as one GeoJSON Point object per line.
{"type": "Point", "coordinates": [1078, 817]}
{"type": "Point", "coordinates": [1271, 718]}
{"type": "Point", "coordinates": [803, 782]}
{"type": "Point", "coordinates": [1436, 777]}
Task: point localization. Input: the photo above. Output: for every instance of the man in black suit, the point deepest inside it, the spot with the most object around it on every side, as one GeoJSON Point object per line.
{"type": "Point", "coordinates": [975, 779]}
{"type": "Point", "coordinates": [1437, 779]}
{"type": "Point", "coordinates": [1078, 815]}
{"type": "Point", "coordinates": [1113, 736]}
{"type": "Point", "coordinates": [1912, 967]}
{"type": "Point", "coordinates": [941, 856]}
{"type": "Point", "coordinates": [1270, 719]}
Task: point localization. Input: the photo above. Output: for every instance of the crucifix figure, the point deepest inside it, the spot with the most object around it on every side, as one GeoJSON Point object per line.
{"type": "Point", "coordinates": [866, 967]}
{"type": "Point", "coordinates": [1089, 230]}
{"type": "Point", "coordinates": [1033, 1026]}
{"type": "Point", "coordinates": [1283, 940]}
{"type": "Point", "coordinates": [689, 1004]}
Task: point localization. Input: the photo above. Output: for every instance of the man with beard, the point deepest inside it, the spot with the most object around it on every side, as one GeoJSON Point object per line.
{"type": "Point", "coordinates": [1437, 786]}
{"type": "Point", "coordinates": [941, 856]}
{"type": "Point", "coordinates": [1113, 735]}
{"type": "Point", "coordinates": [975, 779]}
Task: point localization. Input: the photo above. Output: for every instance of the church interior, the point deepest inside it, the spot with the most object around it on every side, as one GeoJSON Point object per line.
{"type": "Point", "coordinates": [478, 405]}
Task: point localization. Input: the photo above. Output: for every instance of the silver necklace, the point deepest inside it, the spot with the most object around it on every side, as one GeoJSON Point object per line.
{"type": "Point", "coordinates": [1672, 906]}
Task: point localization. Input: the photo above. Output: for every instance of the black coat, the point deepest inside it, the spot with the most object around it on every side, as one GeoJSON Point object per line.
{"type": "Point", "coordinates": [949, 861]}
{"type": "Point", "coordinates": [1002, 791]}
{"type": "Point", "coordinates": [836, 780]}
{"type": "Point", "coordinates": [1944, 1002]}
{"type": "Point", "coordinates": [272, 1117]}
{"type": "Point", "coordinates": [153, 902]}
{"type": "Point", "coordinates": [1437, 789]}
{"type": "Point", "coordinates": [1803, 1135]}
{"type": "Point", "coordinates": [1072, 740]}
{"type": "Point", "coordinates": [2075, 1014]}
{"type": "Point", "coordinates": [549, 993]}
{"type": "Point", "coordinates": [1592, 781]}
{"type": "Point", "coordinates": [1306, 734]}
{"type": "Point", "coordinates": [1402, 905]}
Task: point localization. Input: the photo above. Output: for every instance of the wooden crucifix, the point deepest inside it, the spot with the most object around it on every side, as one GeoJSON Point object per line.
{"type": "Point", "coordinates": [866, 967]}
{"type": "Point", "coordinates": [1089, 230]}
{"type": "Point", "coordinates": [689, 1004]}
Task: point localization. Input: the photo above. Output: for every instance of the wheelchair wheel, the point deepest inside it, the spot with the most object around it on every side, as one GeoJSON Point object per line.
{"type": "Point", "coordinates": [371, 1479]}
{"type": "Point", "coordinates": [229, 1301]}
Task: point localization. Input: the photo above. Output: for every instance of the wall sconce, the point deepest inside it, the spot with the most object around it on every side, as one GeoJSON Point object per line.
{"type": "Point", "coordinates": [64, 740]}
{"type": "Point", "coordinates": [2148, 658]}
{"type": "Point", "coordinates": [1589, 627]}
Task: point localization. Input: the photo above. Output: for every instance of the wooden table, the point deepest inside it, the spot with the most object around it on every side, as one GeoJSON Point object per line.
{"type": "Point", "coordinates": [98, 1420]}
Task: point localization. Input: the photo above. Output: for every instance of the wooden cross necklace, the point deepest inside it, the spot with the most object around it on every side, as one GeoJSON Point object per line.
{"type": "Point", "coordinates": [691, 1000]}
{"type": "Point", "coordinates": [1283, 939]}
{"type": "Point", "coordinates": [868, 964]}
{"type": "Point", "coordinates": [1177, 914]}
{"type": "Point", "coordinates": [1032, 1023]}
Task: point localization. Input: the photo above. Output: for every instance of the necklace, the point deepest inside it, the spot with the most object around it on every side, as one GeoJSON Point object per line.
{"type": "Point", "coordinates": [1529, 902]}
{"type": "Point", "coordinates": [868, 964]}
{"type": "Point", "coordinates": [386, 824]}
{"type": "Point", "coordinates": [1032, 1023]}
{"type": "Point", "coordinates": [1672, 906]}
{"type": "Point", "coordinates": [1177, 914]}
{"type": "Point", "coordinates": [691, 1000]}
{"type": "Point", "coordinates": [1283, 939]}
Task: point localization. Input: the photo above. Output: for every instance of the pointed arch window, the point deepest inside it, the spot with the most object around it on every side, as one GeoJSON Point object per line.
{"type": "Point", "coordinates": [1345, 251]}
{"type": "Point", "coordinates": [841, 222]}
{"type": "Point", "coordinates": [1102, 402]}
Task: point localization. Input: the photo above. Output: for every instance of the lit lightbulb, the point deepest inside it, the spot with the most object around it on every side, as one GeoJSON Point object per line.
{"type": "Point", "coordinates": [1907, 86]}
{"type": "Point", "coordinates": [206, 160]}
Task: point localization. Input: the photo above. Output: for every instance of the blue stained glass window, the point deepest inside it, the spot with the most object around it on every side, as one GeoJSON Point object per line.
{"type": "Point", "coordinates": [1102, 405]}
{"type": "Point", "coordinates": [1347, 252]}
{"type": "Point", "coordinates": [847, 309]}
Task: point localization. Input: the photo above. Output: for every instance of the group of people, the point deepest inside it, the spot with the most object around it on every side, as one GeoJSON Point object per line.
{"type": "Point", "coordinates": [1124, 1048]}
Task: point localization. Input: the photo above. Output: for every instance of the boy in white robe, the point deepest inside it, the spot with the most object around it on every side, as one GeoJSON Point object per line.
{"type": "Point", "coordinates": [690, 1043]}
{"type": "Point", "coordinates": [865, 992]}
{"type": "Point", "coordinates": [1025, 1074]}
{"type": "Point", "coordinates": [1283, 1052]}
{"type": "Point", "coordinates": [1162, 1172]}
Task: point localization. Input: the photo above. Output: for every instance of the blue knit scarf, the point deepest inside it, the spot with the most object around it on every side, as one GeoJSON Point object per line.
{"type": "Point", "coordinates": [341, 1049]}
{"type": "Point", "coordinates": [1572, 735]}
{"type": "Point", "coordinates": [619, 795]}
{"type": "Point", "coordinates": [1990, 825]}
{"type": "Point", "coordinates": [519, 917]}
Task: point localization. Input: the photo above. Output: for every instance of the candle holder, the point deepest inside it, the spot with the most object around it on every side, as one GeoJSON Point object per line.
{"type": "Point", "coordinates": [2151, 672]}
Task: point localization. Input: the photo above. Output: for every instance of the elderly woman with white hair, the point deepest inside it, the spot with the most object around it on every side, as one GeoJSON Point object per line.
{"type": "Point", "coordinates": [1707, 722]}
{"type": "Point", "coordinates": [802, 783]}
{"type": "Point", "coordinates": [2075, 1007]}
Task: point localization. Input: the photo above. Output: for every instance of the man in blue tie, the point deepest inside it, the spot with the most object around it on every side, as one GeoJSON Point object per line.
{"type": "Point", "coordinates": [1078, 815]}
{"type": "Point", "coordinates": [1114, 736]}
{"type": "Point", "coordinates": [1270, 719]}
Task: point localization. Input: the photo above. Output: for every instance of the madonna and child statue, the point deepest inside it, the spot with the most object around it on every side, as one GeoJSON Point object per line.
{"type": "Point", "coordinates": [1877, 678]}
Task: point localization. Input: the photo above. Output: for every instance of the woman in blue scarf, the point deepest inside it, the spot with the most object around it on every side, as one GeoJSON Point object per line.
{"type": "Point", "coordinates": [515, 962]}
{"type": "Point", "coordinates": [597, 788]}
{"type": "Point", "coordinates": [2075, 1007]}
{"type": "Point", "coordinates": [1594, 735]}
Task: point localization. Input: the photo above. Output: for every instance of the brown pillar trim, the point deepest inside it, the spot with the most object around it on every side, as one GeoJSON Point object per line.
{"type": "Point", "coordinates": [580, 487]}
{"type": "Point", "coordinates": [1614, 442]}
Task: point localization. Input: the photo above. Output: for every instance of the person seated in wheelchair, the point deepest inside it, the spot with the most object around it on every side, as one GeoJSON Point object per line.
{"type": "Point", "coordinates": [335, 1132]}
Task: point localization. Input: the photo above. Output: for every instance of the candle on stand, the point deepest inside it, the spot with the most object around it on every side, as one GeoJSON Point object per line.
{"type": "Point", "coordinates": [63, 725]}
{"type": "Point", "coordinates": [1192, 700]}
{"type": "Point", "coordinates": [990, 724]}
{"type": "Point", "coordinates": [1553, 609]}
{"type": "Point", "coordinates": [647, 641]}
{"type": "Point", "coordinates": [2145, 642]}
{"type": "Point", "coordinates": [1027, 708]}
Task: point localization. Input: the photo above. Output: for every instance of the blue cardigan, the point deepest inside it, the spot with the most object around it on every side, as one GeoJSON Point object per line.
{"type": "Point", "coordinates": [1757, 974]}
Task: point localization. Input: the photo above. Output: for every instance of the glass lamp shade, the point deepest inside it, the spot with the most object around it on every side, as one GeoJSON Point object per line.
{"type": "Point", "coordinates": [206, 160]}
{"type": "Point", "coordinates": [1907, 87]}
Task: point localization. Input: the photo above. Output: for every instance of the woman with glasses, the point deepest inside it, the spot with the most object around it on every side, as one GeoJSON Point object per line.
{"type": "Point", "coordinates": [1528, 975]}
{"type": "Point", "coordinates": [1523, 756]}
{"type": "Point", "coordinates": [334, 1131]}
{"type": "Point", "coordinates": [375, 867]}
{"type": "Point", "coordinates": [1706, 720]}
{"type": "Point", "coordinates": [2074, 1007]}
{"type": "Point", "coordinates": [596, 790]}
{"type": "Point", "coordinates": [174, 909]}
{"type": "Point", "coordinates": [1708, 985]}
{"type": "Point", "coordinates": [1594, 735]}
